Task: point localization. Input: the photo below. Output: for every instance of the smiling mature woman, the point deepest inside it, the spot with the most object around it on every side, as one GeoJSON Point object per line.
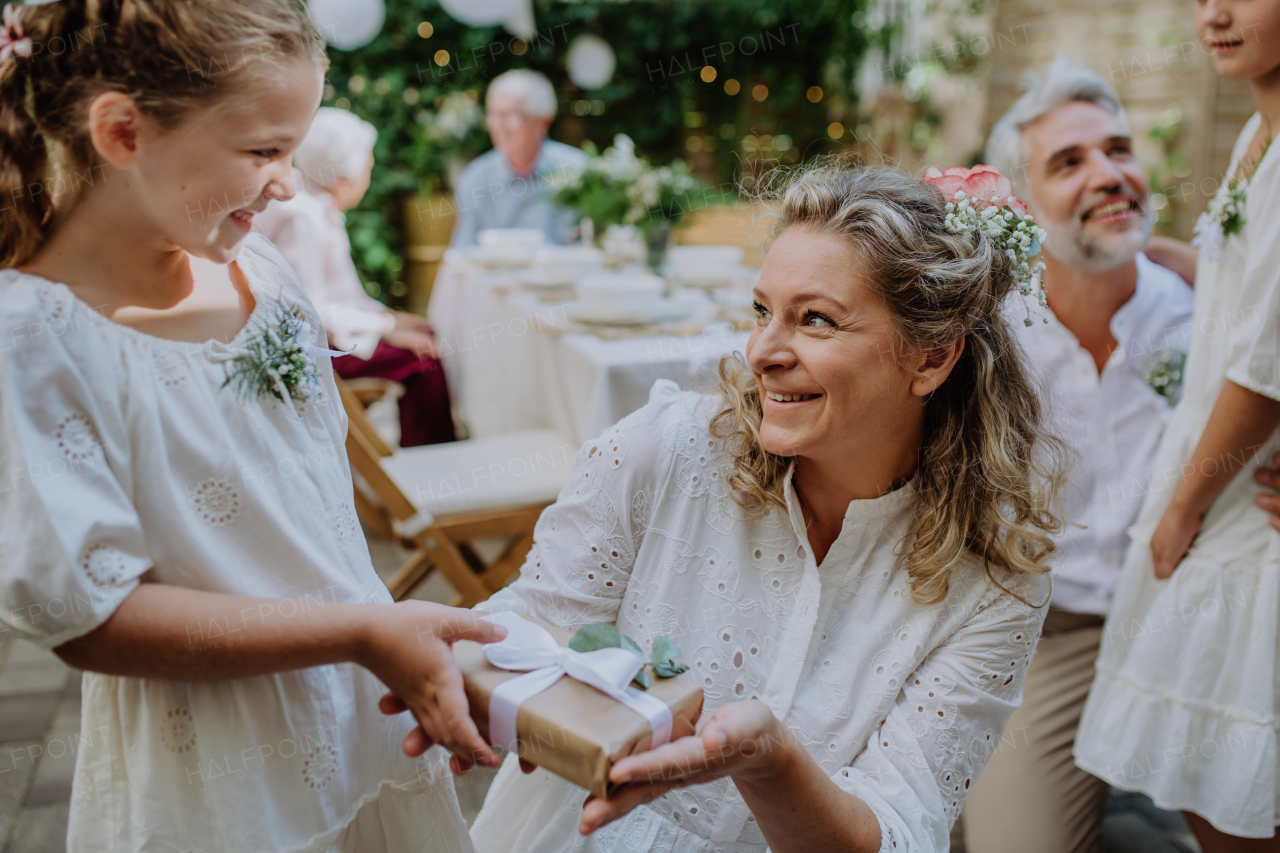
{"type": "Point", "coordinates": [931, 306]}
{"type": "Point", "coordinates": [848, 541]}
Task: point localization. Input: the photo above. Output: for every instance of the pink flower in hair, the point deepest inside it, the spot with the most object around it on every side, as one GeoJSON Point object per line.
{"type": "Point", "coordinates": [983, 184]}
{"type": "Point", "coordinates": [12, 40]}
{"type": "Point", "coordinates": [979, 203]}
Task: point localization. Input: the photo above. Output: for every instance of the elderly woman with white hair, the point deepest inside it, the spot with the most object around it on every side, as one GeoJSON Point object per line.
{"type": "Point", "coordinates": [510, 186]}
{"type": "Point", "coordinates": [848, 541]}
{"type": "Point", "coordinates": [332, 167]}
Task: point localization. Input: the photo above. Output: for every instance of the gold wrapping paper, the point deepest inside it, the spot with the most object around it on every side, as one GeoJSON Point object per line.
{"type": "Point", "coordinates": [571, 729]}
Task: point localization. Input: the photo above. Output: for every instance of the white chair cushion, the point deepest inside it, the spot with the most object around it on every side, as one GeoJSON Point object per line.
{"type": "Point", "coordinates": [483, 474]}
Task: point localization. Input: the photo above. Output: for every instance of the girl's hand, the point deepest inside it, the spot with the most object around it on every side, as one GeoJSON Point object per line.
{"type": "Point", "coordinates": [1172, 538]}
{"type": "Point", "coordinates": [417, 742]}
{"type": "Point", "coordinates": [740, 739]}
{"type": "Point", "coordinates": [407, 645]}
{"type": "Point", "coordinates": [1270, 477]}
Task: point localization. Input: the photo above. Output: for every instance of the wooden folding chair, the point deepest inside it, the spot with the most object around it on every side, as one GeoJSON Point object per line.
{"type": "Point", "coordinates": [439, 498]}
{"type": "Point", "coordinates": [357, 395]}
{"type": "Point", "coordinates": [370, 389]}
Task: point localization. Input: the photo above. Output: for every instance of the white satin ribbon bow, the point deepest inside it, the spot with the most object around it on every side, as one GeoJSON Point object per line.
{"type": "Point", "coordinates": [304, 334]}
{"type": "Point", "coordinates": [529, 648]}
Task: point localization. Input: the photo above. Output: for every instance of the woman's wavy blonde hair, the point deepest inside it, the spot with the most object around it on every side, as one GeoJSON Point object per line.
{"type": "Point", "coordinates": [989, 473]}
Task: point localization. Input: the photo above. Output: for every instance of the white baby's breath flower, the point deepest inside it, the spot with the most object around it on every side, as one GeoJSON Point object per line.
{"type": "Point", "coordinates": [457, 117]}
{"type": "Point", "coordinates": [1165, 373]}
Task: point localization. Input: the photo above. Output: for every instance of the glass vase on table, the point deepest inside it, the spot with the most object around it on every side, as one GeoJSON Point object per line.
{"type": "Point", "coordinates": [657, 240]}
{"type": "Point", "coordinates": [623, 246]}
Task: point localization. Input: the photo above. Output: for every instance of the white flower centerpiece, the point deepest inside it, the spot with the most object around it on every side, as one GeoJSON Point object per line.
{"type": "Point", "coordinates": [617, 187]}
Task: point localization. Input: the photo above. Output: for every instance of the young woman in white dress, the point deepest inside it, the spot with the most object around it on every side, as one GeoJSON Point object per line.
{"type": "Point", "coordinates": [182, 531]}
{"type": "Point", "coordinates": [847, 543]}
{"type": "Point", "coordinates": [1184, 705]}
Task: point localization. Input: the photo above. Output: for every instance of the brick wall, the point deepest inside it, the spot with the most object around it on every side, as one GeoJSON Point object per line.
{"type": "Point", "coordinates": [1147, 50]}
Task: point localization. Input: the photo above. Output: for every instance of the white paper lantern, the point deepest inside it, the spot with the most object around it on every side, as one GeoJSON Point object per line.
{"type": "Point", "coordinates": [515, 15]}
{"type": "Point", "coordinates": [348, 24]}
{"type": "Point", "coordinates": [482, 13]}
{"type": "Point", "coordinates": [521, 23]}
{"type": "Point", "coordinates": [591, 62]}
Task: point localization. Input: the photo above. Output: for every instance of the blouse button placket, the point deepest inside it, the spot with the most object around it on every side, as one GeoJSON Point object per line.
{"type": "Point", "coordinates": [793, 649]}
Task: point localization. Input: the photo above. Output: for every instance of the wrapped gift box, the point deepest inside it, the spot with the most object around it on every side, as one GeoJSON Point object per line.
{"type": "Point", "coordinates": [572, 729]}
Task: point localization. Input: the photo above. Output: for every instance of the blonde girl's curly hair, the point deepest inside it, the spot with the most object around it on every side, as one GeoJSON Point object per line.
{"type": "Point", "coordinates": [989, 473]}
{"type": "Point", "coordinates": [169, 56]}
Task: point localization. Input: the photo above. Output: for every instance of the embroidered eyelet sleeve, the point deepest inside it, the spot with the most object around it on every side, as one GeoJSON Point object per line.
{"type": "Point", "coordinates": [1254, 336]}
{"type": "Point", "coordinates": [74, 547]}
{"type": "Point", "coordinates": [919, 765]}
{"type": "Point", "coordinates": [585, 543]}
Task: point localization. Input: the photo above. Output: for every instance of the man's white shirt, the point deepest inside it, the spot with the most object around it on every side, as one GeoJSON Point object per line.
{"type": "Point", "coordinates": [1112, 420]}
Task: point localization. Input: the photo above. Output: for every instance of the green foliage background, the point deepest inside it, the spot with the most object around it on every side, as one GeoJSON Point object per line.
{"type": "Point", "coordinates": [656, 95]}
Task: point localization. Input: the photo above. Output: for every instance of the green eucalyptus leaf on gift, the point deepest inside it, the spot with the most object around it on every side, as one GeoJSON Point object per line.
{"type": "Point", "coordinates": [603, 635]}
{"type": "Point", "coordinates": [665, 652]}
{"type": "Point", "coordinates": [631, 646]}
{"type": "Point", "coordinates": [590, 638]}
{"type": "Point", "coordinates": [642, 679]}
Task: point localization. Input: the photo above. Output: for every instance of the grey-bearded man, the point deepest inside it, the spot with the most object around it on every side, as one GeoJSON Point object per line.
{"type": "Point", "coordinates": [1108, 358]}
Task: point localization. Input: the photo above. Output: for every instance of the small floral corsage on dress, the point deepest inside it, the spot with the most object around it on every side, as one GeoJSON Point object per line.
{"type": "Point", "coordinates": [277, 361]}
{"type": "Point", "coordinates": [1224, 217]}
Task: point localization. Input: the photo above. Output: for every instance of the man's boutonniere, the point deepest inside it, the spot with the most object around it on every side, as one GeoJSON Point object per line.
{"type": "Point", "coordinates": [1165, 373]}
{"type": "Point", "coordinates": [277, 361]}
{"type": "Point", "coordinates": [1224, 217]}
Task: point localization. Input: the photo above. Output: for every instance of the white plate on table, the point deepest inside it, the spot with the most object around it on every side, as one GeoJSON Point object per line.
{"type": "Point", "coordinates": [669, 310]}
{"type": "Point", "coordinates": [715, 279]}
{"type": "Point", "coordinates": [703, 255]}
{"type": "Point", "coordinates": [487, 257]}
{"type": "Point", "coordinates": [542, 279]}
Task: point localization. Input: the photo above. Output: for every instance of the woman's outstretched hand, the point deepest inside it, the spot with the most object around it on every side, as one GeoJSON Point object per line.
{"type": "Point", "coordinates": [407, 645]}
{"type": "Point", "coordinates": [741, 739]}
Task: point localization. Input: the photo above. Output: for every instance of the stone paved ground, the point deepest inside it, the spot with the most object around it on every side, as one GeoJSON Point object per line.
{"type": "Point", "coordinates": [40, 725]}
{"type": "Point", "coordinates": [39, 733]}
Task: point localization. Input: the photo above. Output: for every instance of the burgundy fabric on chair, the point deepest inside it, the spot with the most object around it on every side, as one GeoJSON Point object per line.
{"type": "Point", "coordinates": [425, 417]}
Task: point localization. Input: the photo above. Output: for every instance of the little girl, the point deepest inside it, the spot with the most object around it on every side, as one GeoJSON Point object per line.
{"type": "Point", "coordinates": [1184, 705]}
{"type": "Point", "coordinates": [176, 508]}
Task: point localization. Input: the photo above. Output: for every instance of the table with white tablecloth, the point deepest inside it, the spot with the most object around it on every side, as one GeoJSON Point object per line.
{"type": "Point", "coordinates": [514, 362]}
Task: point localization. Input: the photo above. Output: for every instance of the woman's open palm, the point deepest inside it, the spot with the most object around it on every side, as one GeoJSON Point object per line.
{"type": "Point", "coordinates": [738, 738]}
